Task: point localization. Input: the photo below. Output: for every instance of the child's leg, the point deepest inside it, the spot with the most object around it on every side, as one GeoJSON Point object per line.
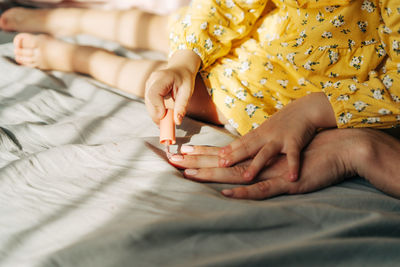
{"type": "Point", "coordinates": [133, 28]}
{"type": "Point", "coordinates": [48, 53]}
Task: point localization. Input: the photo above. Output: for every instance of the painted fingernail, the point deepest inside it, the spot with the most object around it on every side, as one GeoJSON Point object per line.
{"type": "Point", "coordinates": [176, 157]}
{"type": "Point", "coordinates": [191, 172]}
{"type": "Point", "coordinates": [227, 192]}
{"type": "Point", "coordinates": [187, 149]}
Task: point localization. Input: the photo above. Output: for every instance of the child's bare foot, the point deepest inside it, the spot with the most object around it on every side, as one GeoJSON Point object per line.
{"type": "Point", "coordinates": [60, 22]}
{"type": "Point", "coordinates": [43, 52]}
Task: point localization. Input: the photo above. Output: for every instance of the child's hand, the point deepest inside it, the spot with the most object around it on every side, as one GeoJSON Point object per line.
{"type": "Point", "coordinates": [327, 160]}
{"type": "Point", "coordinates": [286, 132]}
{"type": "Point", "coordinates": [177, 80]}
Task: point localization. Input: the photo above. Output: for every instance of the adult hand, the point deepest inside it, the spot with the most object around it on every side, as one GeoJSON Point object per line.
{"type": "Point", "coordinates": [286, 132]}
{"type": "Point", "coordinates": [176, 80]}
{"type": "Point", "coordinates": [326, 160]}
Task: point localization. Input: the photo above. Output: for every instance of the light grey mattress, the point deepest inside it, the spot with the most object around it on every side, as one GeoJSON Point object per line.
{"type": "Point", "coordinates": [84, 182]}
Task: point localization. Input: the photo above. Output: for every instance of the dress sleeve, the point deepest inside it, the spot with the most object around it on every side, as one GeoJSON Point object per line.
{"type": "Point", "coordinates": [209, 27]}
{"type": "Point", "coordinates": [376, 102]}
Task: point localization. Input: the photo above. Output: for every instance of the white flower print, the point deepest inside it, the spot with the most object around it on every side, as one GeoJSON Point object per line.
{"type": "Point", "coordinates": [218, 30]}
{"type": "Point", "coordinates": [229, 101]}
{"type": "Point", "coordinates": [208, 44]}
{"type": "Point", "coordinates": [241, 94]}
{"type": "Point", "coordinates": [244, 66]}
{"type": "Point", "coordinates": [182, 47]}
{"type": "Point", "coordinates": [368, 6]}
{"type": "Point", "coordinates": [259, 94]}
{"type": "Point", "coordinates": [377, 94]}
{"type": "Point", "coordinates": [279, 105]}
{"type": "Point", "coordinates": [191, 38]}
{"type": "Point", "coordinates": [338, 21]}
{"type": "Point", "coordinates": [204, 25]}
{"type": "Point", "coordinates": [187, 21]}
{"type": "Point", "coordinates": [360, 105]}
{"type": "Point", "coordinates": [395, 98]}
{"type": "Point", "coordinates": [362, 25]}
{"type": "Point", "coordinates": [353, 87]}
{"type": "Point", "coordinates": [196, 50]}
{"type": "Point", "coordinates": [380, 51]}
{"type": "Point", "coordinates": [326, 35]}
{"type": "Point", "coordinates": [251, 109]}
{"type": "Point", "coordinates": [308, 65]}
{"type": "Point", "coordinates": [301, 81]}
{"type": "Point", "coordinates": [283, 83]}
{"type": "Point", "coordinates": [290, 58]}
{"type": "Point", "coordinates": [228, 72]}
{"type": "Point", "coordinates": [263, 81]}
{"type": "Point", "coordinates": [229, 16]}
{"type": "Point", "coordinates": [384, 111]}
{"type": "Point", "coordinates": [343, 98]}
{"type": "Point", "coordinates": [326, 84]}
{"type": "Point", "coordinates": [345, 118]}
{"type": "Point", "coordinates": [330, 9]}
{"type": "Point", "coordinates": [396, 46]}
{"type": "Point", "coordinates": [371, 120]}
{"type": "Point", "coordinates": [337, 84]}
{"type": "Point", "coordinates": [356, 62]}
{"type": "Point", "coordinates": [229, 4]}
{"type": "Point", "coordinates": [387, 30]}
{"type": "Point", "coordinates": [233, 123]}
{"type": "Point", "coordinates": [309, 50]}
{"type": "Point", "coordinates": [320, 17]}
{"type": "Point", "coordinates": [245, 83]}
{"type": "Point", "coordinates": [299, 41]}
{"type": "Point", "coordinates": [333, 57]}
{"type": "Point", "coordinates": [269, 66]}
{"type": "Point", "coordinates": [255, 125]}
{"type": "Point", "coordinates": [387, 81]}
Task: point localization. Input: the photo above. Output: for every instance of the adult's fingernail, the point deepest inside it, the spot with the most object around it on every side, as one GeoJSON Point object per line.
{"type": "Point", "coordinates": [227, 192]}
{"type": "Point", "coordinates": [191, 172]}
{"type": "Point", "coordinates": [187, 149]}
{"type": "Point", "coordinates": [223, 162]}
{"type": "Point", "coordinates": [293, 177]}
{"type": "Point", "coordinates": [176, 157]}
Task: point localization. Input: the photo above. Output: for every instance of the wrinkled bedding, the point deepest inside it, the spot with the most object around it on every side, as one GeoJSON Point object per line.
{"type": "Point", "coordinates": [84, 182]}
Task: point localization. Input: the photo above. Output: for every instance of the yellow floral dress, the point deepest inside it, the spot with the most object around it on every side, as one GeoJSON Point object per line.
{"type": "Point", "coordinates": [258, 55]}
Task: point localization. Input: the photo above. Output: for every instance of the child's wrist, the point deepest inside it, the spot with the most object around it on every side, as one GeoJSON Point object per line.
{"type": "Point", "coordinates": [321, 113]}
{"type": "Point", "coordinates": [185, 59]}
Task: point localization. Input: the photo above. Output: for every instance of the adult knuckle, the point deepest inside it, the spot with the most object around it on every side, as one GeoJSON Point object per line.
{"type": "Point", "coordinates": [263, 186]}
{"type": "Point", "coordinates": [238, 169]}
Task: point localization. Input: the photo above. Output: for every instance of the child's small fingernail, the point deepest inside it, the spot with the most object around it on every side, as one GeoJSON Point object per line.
{"type": "Point", "coordinates": [225, 150]}
{"type": "Point", "coordinates": [187, 149]}
{"type": "Point", "coordinates": [227, 192]}
{"type": "Point", "coordinates": [191, 172]}
{"type": "Point", "coordinates": [176, 157]}
{"type": "Point", "coordinates": [179, 119]}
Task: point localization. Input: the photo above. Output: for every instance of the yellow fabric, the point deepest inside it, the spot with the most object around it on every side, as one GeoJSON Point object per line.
{"type": "Point", "coordinates": [257, 56]}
